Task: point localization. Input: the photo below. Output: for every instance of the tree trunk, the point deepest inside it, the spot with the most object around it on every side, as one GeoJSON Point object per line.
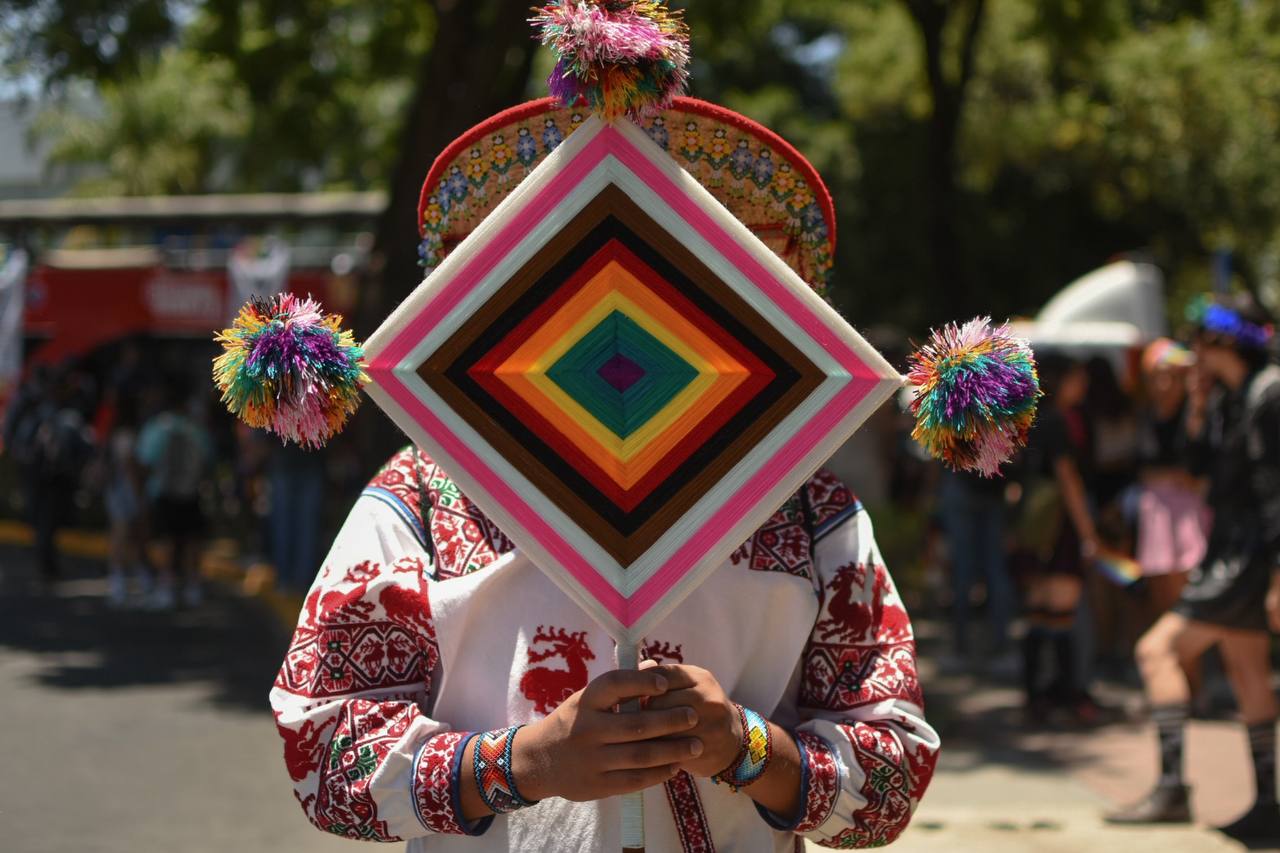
{"type": "Point", "coordinates": [478, 64]}
{"type": "Point", "coordinates": [949, 283]}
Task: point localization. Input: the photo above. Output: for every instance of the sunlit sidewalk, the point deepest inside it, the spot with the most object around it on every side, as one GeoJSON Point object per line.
{"type": "Point", "coordinates": [979, 805]}
{"type": "Point", "coordinates": [1002, 787]}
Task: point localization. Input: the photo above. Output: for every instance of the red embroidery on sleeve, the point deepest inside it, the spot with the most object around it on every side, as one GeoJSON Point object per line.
{"type": "Point", "coordinates": [890, 787]}
{"type": "Point", "coordinates": [838, 678]}
{"type": "Point", "coordinates": [433, 783]}
{"type": "Point", "coordinates": [862, 649]}
{"type": "Point", "coordinates": [824, 782]}
{"type": "Point", "coordinates": [784, 543]}
{"type": "Point", "coordinates": [828, 497]}
{"type": "Point", "coordinates": [366, 732]}
{"type": "Point", "coordinates": [344, 645]}
{"type": "Point", "coordinates": [781, 544]}
{"type": "Point", "coordinates": [463, 538]}
{"type": "Point", "coordinates": [304, 748]}
{"type": "Point", "coordinates": [397, 476]}
{"type": "Point", "coordinates": [851, 612]}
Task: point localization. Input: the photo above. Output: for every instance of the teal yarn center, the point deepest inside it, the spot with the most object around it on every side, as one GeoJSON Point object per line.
{"type": "Point", "coordinates": [579, 374]}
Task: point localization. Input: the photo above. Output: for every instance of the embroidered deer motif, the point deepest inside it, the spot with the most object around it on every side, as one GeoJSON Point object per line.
{"type": "Point", "coordinates": [852, 614]}
{"type": "Point", "coordinates": [664, 652]}
{"type": "Point", "coordinates": [546, 687]}
{"type": "Point", "coordinates": [304, 748]}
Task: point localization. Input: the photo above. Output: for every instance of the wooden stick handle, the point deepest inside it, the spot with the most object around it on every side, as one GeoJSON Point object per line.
{"type": "Point", "coordinates": [633, 803]}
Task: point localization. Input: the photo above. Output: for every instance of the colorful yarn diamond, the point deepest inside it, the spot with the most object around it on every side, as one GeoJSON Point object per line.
{"type": "Point", "coordinates": [976, 395]}
{"type": "Point", "coordinates": [289, 368]}
{"type": "Point", "coordinates": [630, 381]}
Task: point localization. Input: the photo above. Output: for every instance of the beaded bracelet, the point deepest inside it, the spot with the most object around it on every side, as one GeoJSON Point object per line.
{"type": "Point", "coordinates": [494, 777]}
{"type": "Point", "coordinates": [753, 757]}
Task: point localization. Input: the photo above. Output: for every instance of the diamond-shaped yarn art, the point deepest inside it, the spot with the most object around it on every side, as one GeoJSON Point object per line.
{"type": "Point", "coordinates": [624, 377]}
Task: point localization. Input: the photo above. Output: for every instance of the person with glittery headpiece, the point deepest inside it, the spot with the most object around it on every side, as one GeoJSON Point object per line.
{"type": "Point", "coordinates": [1232, 596]}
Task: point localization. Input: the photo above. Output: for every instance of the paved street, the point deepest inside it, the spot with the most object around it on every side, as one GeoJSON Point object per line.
{"type": "Point", "coordinates": [139, 732]}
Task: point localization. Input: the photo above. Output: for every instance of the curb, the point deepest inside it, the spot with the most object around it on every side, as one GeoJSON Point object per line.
{"type": "Point", "coordinates": [219, 563]}
{"type": "Point", "coordinates": [87, 544]}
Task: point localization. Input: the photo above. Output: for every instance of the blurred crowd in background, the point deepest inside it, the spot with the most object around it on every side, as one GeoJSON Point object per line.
{"type": "Point", "coordinates": [151, 457]}
{"type": "Point", "coordinates": [1045, 577]}
{"type": "Point", "coordinates": [1086, 542]}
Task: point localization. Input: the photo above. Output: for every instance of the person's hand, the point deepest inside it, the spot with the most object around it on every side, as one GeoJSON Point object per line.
{"type": "Point", "coordinates": [719, 727]}
{"type": "Point", "coordinates": [1089, 547]}
{"type": "Point", "coordinates": [586, 750]}
{"type": "Point", "coordinates": [1273, 602]}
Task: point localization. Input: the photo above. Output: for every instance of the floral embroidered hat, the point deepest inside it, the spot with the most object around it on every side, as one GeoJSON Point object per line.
{"type": "Point", "coordinates": [765, 182]}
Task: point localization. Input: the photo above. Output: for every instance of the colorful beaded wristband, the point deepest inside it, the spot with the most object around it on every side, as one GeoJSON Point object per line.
{"type": "Point", "coordinates": [494, 777]}
{"type": "Point", "coordinates": [757, 749]}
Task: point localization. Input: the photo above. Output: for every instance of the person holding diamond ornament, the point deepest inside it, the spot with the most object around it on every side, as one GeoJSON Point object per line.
{"type": "Point", "coordinates": [607, 597]}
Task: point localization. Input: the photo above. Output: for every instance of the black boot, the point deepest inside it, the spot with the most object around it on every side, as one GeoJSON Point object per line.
{"type": "Point", "coordinates": [1165, 804]}
{"type": "Point", "coordinates": [1259, 823]}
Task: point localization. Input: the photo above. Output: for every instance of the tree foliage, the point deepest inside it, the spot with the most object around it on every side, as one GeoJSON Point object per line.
{"type": "Point", "coordinates": [72, 39]}
{"type": "Point", "coordinates": [1085, 129]}
{"type": "Point", "coordinates": [1162, 130]}
{"type": "Point", "coordinates": [319, 87]}
{"type": "Point", "coordinates": [981, 152]}
{"type": "Point", "coordinates": [163, 131]}
{"type": "Point", "coordinates": [327, 83]}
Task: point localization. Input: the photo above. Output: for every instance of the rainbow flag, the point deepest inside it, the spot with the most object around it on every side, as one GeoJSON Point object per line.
{"type": "Point", "coordinates": [1120, 569]}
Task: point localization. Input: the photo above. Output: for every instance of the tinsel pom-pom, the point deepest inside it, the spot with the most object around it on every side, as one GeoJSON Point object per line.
{"type": "Point", "coordinates": [618, 57]}
{"type": "Point", "coordinates": [976, 395]}
{"type": "Point", "coordinates": [289, 368]}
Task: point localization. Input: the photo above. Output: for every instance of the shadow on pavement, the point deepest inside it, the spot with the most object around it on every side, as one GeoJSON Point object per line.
{"type": "Point", "coordinates": [231, 643]}
{"type": "Point", "coordinates": [982, 720]}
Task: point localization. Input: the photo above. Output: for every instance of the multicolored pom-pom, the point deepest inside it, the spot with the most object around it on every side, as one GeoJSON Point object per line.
{"type": "Point", "coordinates": [618, 57]}
{"type": "Point", "coordinates": [976, 395]}
{"type": "Point", "coordinates": [289, 368]}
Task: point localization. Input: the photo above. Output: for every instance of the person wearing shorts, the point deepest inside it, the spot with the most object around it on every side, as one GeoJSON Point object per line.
{"type": "Point", "coordinates": [1233, 595]}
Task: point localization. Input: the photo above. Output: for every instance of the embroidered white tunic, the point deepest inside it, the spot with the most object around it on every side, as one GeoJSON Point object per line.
{"type": "Point", "coordinates": [425, 625]}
